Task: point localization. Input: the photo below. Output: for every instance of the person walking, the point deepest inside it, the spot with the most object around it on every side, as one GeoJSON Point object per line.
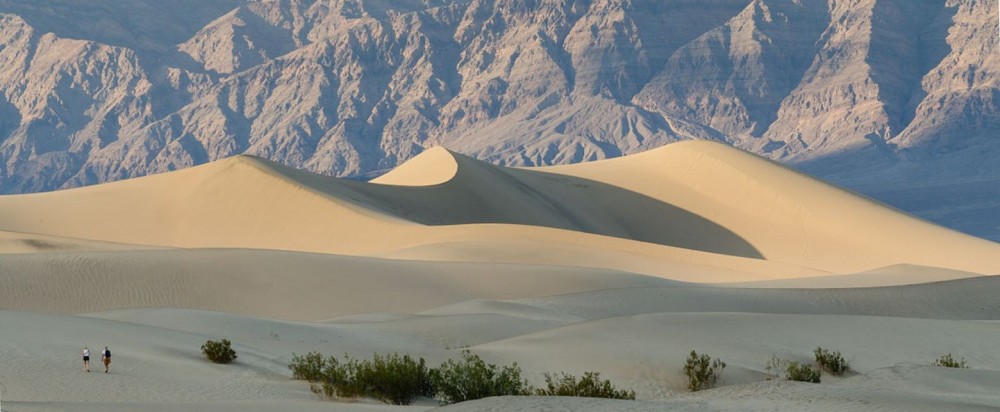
{"type": "Point", "coordinates": [86, 359]}
{"type": "Point", "coordinates": [106, 358]}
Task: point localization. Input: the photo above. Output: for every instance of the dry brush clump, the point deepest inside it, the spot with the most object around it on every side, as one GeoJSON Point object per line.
{"type": "Point", "coordinates": [398, 379]}
{"type": "Point", "coordinates": [702, 371]}
{"type": "Point", "coordinates": [793, 371]}
{"type": "Point", "coordinates": [947, 361]}
{"type": "Point", "coordinates": [831, 362]}
{"type": "Point", "coordinates": [473, 378]}
{"type": "Point", "coordinates": [801, 372]}
{"type": "Point", "coordinates": [589, 385]}
{"type": "Point", "coordinates": [390, 378]}
{"type": "Point", "coordinates": [219, 351]}
{"type": "Point", "coordinates": [309, 367]}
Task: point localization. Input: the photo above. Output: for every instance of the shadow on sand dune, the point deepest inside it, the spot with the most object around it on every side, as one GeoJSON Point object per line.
{"type": "Point", "coordinates": [481, 193]}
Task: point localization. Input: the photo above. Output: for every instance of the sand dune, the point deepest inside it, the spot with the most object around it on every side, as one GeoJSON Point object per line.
{"type": "Point", "coordinates": [481, 193]}
{"type": "Point", "coordinates": [276, 284]}
{"type": "Point", "coordinates": [16, 242]}
{"type": "Point", "coordinates": [305, 286]}
{"type": "Point", "coordinates": [500, 243]}
{"type": "Point", "coordinates": [619, 266]}
{"type": "Point", "coordinates": [693, 211]}
{"type": "Point", "coordinates": [885, 276]}
{"type": "Point", "coordinates": [788, 216]}
{"type": "Point", "coordinates": [969, 298]}
{"type": "Point", "coordinates": [239, 202]}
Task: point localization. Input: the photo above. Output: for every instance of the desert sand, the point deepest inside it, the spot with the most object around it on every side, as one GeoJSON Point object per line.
{"type": "Point", "coordinates": [620, 266]}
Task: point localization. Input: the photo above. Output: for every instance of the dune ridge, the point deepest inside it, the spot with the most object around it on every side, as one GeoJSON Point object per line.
{"type": "Point", "coordinates": [697, 203]}
{"type": "Point", "coordinates": [789, 216]}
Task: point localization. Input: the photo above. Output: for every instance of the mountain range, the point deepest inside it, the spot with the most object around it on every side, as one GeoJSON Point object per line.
{"type": "Point", "coordinates": [897, 99]}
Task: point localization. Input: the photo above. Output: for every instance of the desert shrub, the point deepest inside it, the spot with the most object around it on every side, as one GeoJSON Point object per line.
{"type": "Point", "coordinates": [397, 379]}
{"type": "Point", "coordinates": [589, 385]}
{"type": "Point", "coordinates": [340, 379]}
{"type": "Point", "coordinates": [832, 362]}
{"type": "Point", "coordinates": [390, 378]}
{"type": "Point", "coordinates": [219, 351]}
{"type": "Point", "coordinates": [702, 371]}
{"type": "Point", "coordinates": [948, 361]}
{"type": "Point", "coordinates": [393, 378]}
{"type": "Point", "coordinates": [309, 367]}
{"type": "Point", "coordinates": [801, 372]}
{"type": "Point", "coordinates": [473, 378]}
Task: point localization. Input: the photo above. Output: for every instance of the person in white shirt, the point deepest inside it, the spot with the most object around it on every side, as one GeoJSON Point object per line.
{"type": "Point", "coordinates": [86, 359]}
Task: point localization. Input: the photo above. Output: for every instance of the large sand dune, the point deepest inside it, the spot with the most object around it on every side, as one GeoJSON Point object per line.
{"type": "Point", "coordinates": [696, 203]}
{"type": "Point", "coordinates": [788, 216]}
{"type": "Point", "coordinates": [619, 266]}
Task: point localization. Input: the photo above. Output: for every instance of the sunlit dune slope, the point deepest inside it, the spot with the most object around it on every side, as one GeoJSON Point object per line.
{"type": "Point", "coordinates": [693, 211]}
{"type": "Point", "coordinates": [249, 202]}
{"type": "Point", "coordinates": [788, 216]}
{"type": "Point", "coordinates": [238, 202]}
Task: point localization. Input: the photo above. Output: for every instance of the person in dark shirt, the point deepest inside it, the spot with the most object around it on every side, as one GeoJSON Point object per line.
{"type": "Point", "coordinates": [106, 358]}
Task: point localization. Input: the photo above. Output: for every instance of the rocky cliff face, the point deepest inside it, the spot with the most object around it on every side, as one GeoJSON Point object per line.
{"type": "Point", "coordinates": [877, 92]}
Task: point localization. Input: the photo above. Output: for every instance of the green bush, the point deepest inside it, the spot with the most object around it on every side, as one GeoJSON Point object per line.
{"type": "Point", "coordinates": [948, 361]}
{"type": "Point", "coordinates": [832, 362]}
{"type": "Point", "coordinates": [219, 352]}
{"type": "Point", "coordinates": [588, 386]}
{"type": "Point", "coordinates": [390, 378]}
{"type": "Point", "coordinates": [472, 378]}
{"type": "Point", "coordinates": [309, 367]}
{"type": "Point", "coordinates": [327, 377]}
{"type": "Point", "coordinates": [397, 379]}
{"type": "Point", "coordinates": [335, 381]}
{"type": "Point", "coordinates": [393, 378]}
{"type": "Point", "coordinates": [702, 372]}
{"type": "Point", "coordinates": [801, 372]}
